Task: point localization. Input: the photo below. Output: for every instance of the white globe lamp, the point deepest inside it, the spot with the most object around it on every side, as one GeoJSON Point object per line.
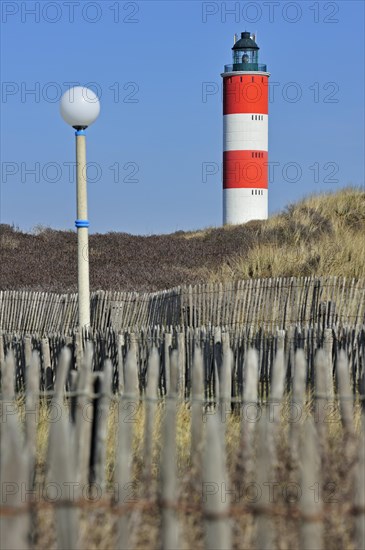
{"type": "Point", "coordinates": [79, 107]}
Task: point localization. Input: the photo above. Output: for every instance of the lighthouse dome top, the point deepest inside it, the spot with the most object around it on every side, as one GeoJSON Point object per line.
{"type": "Point", "coordinates": [245, 42]}
{"type": "Point", "coordinates": [245, 54]}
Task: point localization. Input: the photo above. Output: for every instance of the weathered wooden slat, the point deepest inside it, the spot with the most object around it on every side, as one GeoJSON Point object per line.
{"type": "Point", "coordinates": [47, 365]}
{"type": "Point", "coordinates": [11, 307]}
{"type": "Point", "coordinates": [217, 524]}
{"type": "Point", "coordinates": [121, 343]}
{"type": "Point", "coordinates": [276, 396]}
{"type": "Point", "coordinates": [310, 502]}
{"type": "Point", "coordinates": [264, 525]}
{"type": "Point", "coordinates": [322, 398]}
{"type": "Point", "coordinates": [249, 414]}
{"type": "Point", "coordinates": [32, 413]}
{"type": "Point", "coordinates": [168, 471]}
{"type": "Point", "coordinates": [14, 467]}
{"type": "Point", "coordinates": [298, 401]}
{"type": "Point", "coordinates": [83, 417]}
{"type": "Point", "coordinates": [166, 361]}
{"type": "Point", "coordinates": [181, 348]}
{"type": "Point", "coordinates": [345, 393]}
{"type": "Point", "coordinates": [123, 459]}
{"type": "Point", "coordinates": [101, 413]}
{"type": "Point", "coordinates": [61, 465]}
{"type": "Point", "coordinates": [153, 371]}
{"type": "Point", "coordinates": [327, 347]}
{"type": "Point", "coordinates": [359, 487]}
{"type": "Point", "coordinates": [196, 406]}
{"type": "Point", "coordinates": [225, 383]}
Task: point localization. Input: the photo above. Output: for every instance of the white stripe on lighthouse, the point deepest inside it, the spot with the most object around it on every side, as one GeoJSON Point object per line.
{"type": "Point", "coordinates": [245, 132]}
{"type": "Point", "coordinates": [242, 205]}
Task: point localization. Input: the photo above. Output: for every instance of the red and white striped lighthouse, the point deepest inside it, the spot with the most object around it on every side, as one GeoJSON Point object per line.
{"type": "Point", "coordinates": [245, 134]}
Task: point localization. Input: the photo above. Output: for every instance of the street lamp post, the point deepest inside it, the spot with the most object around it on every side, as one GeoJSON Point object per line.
{"type": "Point", "coordinates": [80, 107]}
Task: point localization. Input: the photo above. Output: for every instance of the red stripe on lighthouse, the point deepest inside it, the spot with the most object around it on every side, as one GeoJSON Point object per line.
{"type": "Point", "coordinates": [245, 169]}
{"type": "Point", "coordinates": [246, 94]}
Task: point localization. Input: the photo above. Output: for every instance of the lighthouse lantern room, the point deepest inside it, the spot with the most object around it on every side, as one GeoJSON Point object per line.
{"type": "Point", "coordinates": [245, 134]}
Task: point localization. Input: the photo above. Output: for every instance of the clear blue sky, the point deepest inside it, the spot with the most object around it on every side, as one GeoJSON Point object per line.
{"type": "Point", "coordinates": [163, 60]}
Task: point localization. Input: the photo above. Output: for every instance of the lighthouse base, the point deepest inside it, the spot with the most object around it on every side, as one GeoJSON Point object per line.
{"type": "Point", "coordinates": [241, 205]}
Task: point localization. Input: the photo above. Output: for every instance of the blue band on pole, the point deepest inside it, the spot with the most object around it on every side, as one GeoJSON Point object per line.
{"type": "Point", "coordinates": [80, 133]}
{"type": "Point", "coordinates": [82, 223]}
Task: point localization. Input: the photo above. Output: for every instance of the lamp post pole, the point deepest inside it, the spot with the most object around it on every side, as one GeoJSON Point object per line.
{"type": "Point", "coordinates": [79, 108]}
{"type": "Point", "coordinates": [82, 225]}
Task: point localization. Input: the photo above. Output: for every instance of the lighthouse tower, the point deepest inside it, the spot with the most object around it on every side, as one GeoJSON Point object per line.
{"type": "Point", "coordinates": [245, 134]}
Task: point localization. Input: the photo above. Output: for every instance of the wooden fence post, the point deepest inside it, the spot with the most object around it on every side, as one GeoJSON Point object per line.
{"type": "Point", "coordinates": [120, 363]}
{"type": "Point", "coordinates": [83, 416]}
{"type": "Point", "coordinates": [217, 352]}
{"type": "Point", "coordinates": [346, 395]}
{"type": "Point", "coordinates": [28, 349]}
{"type": "Point", "coordinates": [78, 348]}
{"type": "Point", "coordinates": [61, 463]}
{"type": "Point", "coordinates": [321, 397]}
{"type": "Point", "coordinates": [153, 371]}
{"type": "Point", "coordinates": [168, 479]}
{"type": "Point", "coordinates": [327, 346]}
{"type": "Point", "coordinates": [14, 468]}
{"type": "Point", "coordinates": [225, 385]}
{"type": "Point", "coordinates": [197, 405]}
{"type": "Point", "coordinates": [310, 501]}
{"type": "Point", "coordinates": [216, 508]}
{"type": "Point", "coordinates": [101, 426]}
{"type": "Point", "coordinates": [182, 363]}
{"type": "Point", "coordinates": [166, 361]}
{"type": "Point", "coordinates": [32, 412]}
{"type": "Point", "coordinates": [278, 378]}
{"type": "Point", "coordinates": [264, 524]}
{"type": "Point", "coordinates": [275, 399]}
{"type": "Point", "coordinates": [248, 414]}
{"type": "Point", "coordinates": [61, 473]}
{"type": "Point", "coordinates": [359, 500]}
{"type": "Point", "coordinates": [296, 412]}
{"type": "Point", "coordinates": [123, 461]}
{"type": "Point", "coordinates": [48, 374]}
{"type": "Point", "coordinates": [8, 377]}
{"type": "Point", "coordinates": [2, 354]}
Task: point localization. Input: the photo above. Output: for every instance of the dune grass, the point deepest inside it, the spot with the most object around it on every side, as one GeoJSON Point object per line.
{"type": "Point", "coordinates": [321, 235]}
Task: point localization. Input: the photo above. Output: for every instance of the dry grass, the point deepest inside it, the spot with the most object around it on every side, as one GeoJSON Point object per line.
{"type": "Point", "coordinates": [321, 235]}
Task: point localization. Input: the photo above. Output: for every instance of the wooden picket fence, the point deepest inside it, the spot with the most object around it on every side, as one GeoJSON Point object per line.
{"type": "Point", "coordinates": [216, 491]}
{"type": "Point", "coordinates": [270, 303]}
{"type": "Point", "coordinates": [114, 346]}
